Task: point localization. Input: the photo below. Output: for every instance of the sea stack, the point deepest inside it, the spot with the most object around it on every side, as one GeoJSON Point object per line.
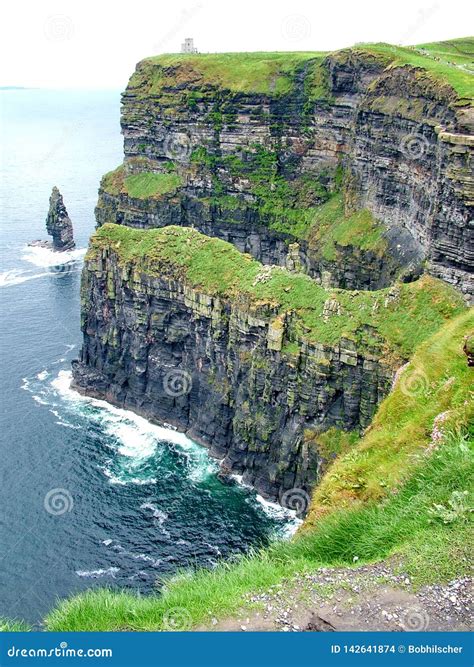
{"type": "Point", "coordinates": [58, 223]}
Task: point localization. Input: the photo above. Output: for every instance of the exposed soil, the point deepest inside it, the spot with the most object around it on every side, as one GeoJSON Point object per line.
{"type": "Point", "coordinates": [371, 597]}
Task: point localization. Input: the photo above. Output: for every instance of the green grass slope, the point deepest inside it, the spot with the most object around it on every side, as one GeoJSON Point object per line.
{"type": "Point", "coordinates": [13, 626]}
{"type": "Point", "coordinates": [274, 73]}
{"type": "Point", "coordinates": [441, 67]}
{"type": "Point", "coordinates": [458, 51]}
{"type": "Point", "coordinates": [424, 516]}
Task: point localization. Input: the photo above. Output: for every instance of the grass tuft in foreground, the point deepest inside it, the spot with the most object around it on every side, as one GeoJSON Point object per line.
{"type": "Point", "coordinates": [13, 626]}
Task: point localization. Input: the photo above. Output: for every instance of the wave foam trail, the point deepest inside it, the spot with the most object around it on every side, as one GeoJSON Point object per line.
{"type": "Point", "coordinates": [158, 515]}
{"type": "Point", "coordinates": [95, 574]}
{"type": "Point", "coordinates": [18, 276]}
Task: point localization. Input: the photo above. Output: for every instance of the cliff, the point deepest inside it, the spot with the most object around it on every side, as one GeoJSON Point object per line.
{"type": "Point", "coordinates": [354, 167]}
{"type": "Point", "coordinates": [253, 361]}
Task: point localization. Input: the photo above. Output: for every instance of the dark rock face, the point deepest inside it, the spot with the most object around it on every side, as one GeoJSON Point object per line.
{"type": "Point", "coordinates": [58, 223]}
{"type": "Point", "coordinates": [216, 369]}
{"type": "Point", "coordinates": [469, 349]}
{"type": "Point", "coordinates": [354, 268]}
{"type": "Point", "coordinates": [407, 158]}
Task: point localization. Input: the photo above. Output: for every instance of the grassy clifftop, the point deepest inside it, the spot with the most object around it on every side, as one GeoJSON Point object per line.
{"type": "Point", "coordinates": [267, 73]}
{"type": "Point", "coordinates": [274, 73]}
{"type": "Point", "coordinates": [397, 318]}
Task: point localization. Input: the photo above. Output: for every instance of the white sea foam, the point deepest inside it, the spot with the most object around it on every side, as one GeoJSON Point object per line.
{"type": "Point", "coordinates": [124, 480]}
{"type": "Point", "coordinates": [141, 556]}
{"type": "Point", "coordinates": [214, 548]}
{"type": "Point", "coordinates": [134, 442]}
{"type": "Point", "coordinates": [157, 513]}
{"type": "Point", "coordinates": [95, 574]}
{"type": "Point", "coordinates": [40, 400]}
{"type": "Point", "coordinates": [45, 257]}
{"type": "Point", "coordinates": [138, 438]}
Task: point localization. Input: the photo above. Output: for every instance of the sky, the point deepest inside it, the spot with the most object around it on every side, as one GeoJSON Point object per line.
{"type": "Point", "coordinates": [97, 43]}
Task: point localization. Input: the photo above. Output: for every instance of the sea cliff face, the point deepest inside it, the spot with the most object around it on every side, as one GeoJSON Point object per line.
{"type": "Point", "coordinates": [260, 284]}
{"type": "Point", "coordinates": [355, 167]}
{"type": "Point", "coordinates": [246, 359]}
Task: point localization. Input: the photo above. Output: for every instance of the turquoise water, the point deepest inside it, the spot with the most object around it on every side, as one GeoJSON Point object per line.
{"type": "Point", "coordinates": [90, 494]}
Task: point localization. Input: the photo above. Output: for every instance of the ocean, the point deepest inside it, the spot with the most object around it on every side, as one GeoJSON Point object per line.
{"type": "Point", "coordinates": [90, 495]}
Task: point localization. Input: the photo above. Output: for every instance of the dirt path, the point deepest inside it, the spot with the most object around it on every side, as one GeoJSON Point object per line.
{"type": "Point", "coordinates": [371, 597]}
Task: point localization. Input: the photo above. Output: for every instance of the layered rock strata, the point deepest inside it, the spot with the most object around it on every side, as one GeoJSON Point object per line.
{"type": "Point", "coordinates": [256, 166]}
{"type": "Point", "coordinates": [244, 358]}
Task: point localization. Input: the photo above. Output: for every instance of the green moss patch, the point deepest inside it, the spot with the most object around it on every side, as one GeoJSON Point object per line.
{"type": "Point", "coordinates": [143, 185]}
{"type": "Point", "coordinates": [330, 227]}
{"type": "Point", "coordinates": [149, 184]}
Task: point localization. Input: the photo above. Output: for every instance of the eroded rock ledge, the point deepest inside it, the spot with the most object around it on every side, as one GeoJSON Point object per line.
{"type": "Point", "coordinates": [245, 358]}
{"type": "Point", "coordinates": [359, 147]}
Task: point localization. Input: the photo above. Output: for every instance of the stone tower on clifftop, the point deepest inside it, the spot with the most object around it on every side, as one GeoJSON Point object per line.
{"type": "Point", "coordinates": [58, 223]}
{"type": "Point", "coordinates": [188, 46]}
